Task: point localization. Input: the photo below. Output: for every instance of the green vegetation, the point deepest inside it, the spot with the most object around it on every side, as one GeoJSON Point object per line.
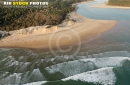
{"type": "Point", "coordinates": [17, 18]}
{"type": "Point", "coordinates": [119, 2]}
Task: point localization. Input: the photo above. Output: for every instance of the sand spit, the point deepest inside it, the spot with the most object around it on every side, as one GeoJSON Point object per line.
{"type": "Point", "coordinates": [69, 33]}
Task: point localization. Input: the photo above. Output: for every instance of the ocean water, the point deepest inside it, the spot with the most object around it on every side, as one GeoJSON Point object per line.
{"type": "Point", "coordinates": [25, 67]}
{"type": "Point", "coordinates": [104, 60]}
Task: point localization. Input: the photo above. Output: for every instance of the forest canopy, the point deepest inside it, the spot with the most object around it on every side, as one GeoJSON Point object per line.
{"type": "Point", "coordinates": [17, 18]}
{"type": "Point", "coordinates": [119, 2]}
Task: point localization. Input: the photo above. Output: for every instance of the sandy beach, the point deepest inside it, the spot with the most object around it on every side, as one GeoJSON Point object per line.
{"type": "Point", "coordinates": [103, 5]}
{"type": "Point", "coordinates": [70, 34]}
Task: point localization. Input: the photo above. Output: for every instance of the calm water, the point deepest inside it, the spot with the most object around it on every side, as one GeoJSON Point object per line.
{"type": "Point", "coordinates": [103, 13]}
{"type": "Point", "coordinates": [120, 33]}
{"type": "Point", "coordinates": [103, 60]}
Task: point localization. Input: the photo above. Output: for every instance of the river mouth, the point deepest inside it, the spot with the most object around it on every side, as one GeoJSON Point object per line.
{"type": "Point", "coordinates": [119, 34]}
{"type": "Point", "coordinates": [86, 10]}
{"type": "Point", "coordinates": [102, 60]}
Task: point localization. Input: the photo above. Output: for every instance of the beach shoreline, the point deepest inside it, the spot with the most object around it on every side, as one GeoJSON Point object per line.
{"type": "Point", "coordinates": [81, 29]}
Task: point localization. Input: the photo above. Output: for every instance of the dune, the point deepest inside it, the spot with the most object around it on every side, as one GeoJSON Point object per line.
{"type": "Point", "coordinates": [70, 33]}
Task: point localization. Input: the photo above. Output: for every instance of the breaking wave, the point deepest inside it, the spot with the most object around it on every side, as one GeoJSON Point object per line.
{"type": "Point", "coordinates": [25, 67]}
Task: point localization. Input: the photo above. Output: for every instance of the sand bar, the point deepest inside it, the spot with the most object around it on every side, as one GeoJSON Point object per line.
{"type": "Point", "coordinates": [82, 29]}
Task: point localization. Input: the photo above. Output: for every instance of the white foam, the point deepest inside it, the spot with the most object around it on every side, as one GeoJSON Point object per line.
{"type": "Point", "coordinates": [13, 78]}
{"type": "Point", "coordinates": [10, 61]}
{"type": "Point", "coordinates": [103, 76]}
{"type": "Point", "coordinates": [112, 54]}
{"type": "Point", "coordinates": [35, 75]}
{"type": "Point", "coordinates": [109, 61]}
{"type": "Point", "coordinates": [36, 83]}
{"type": "Point", "coordinates": [4, 49]}
{"type": "Point", "coordinates": [78, 66]}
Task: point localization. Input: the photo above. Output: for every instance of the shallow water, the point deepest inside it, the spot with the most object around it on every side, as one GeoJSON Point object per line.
{"type": "Point", "coordinates": [120, 33]}
{"type": "Point", "coordinates": [104, 60]}
{"type": "Point", "coordinates": [102, 13]}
